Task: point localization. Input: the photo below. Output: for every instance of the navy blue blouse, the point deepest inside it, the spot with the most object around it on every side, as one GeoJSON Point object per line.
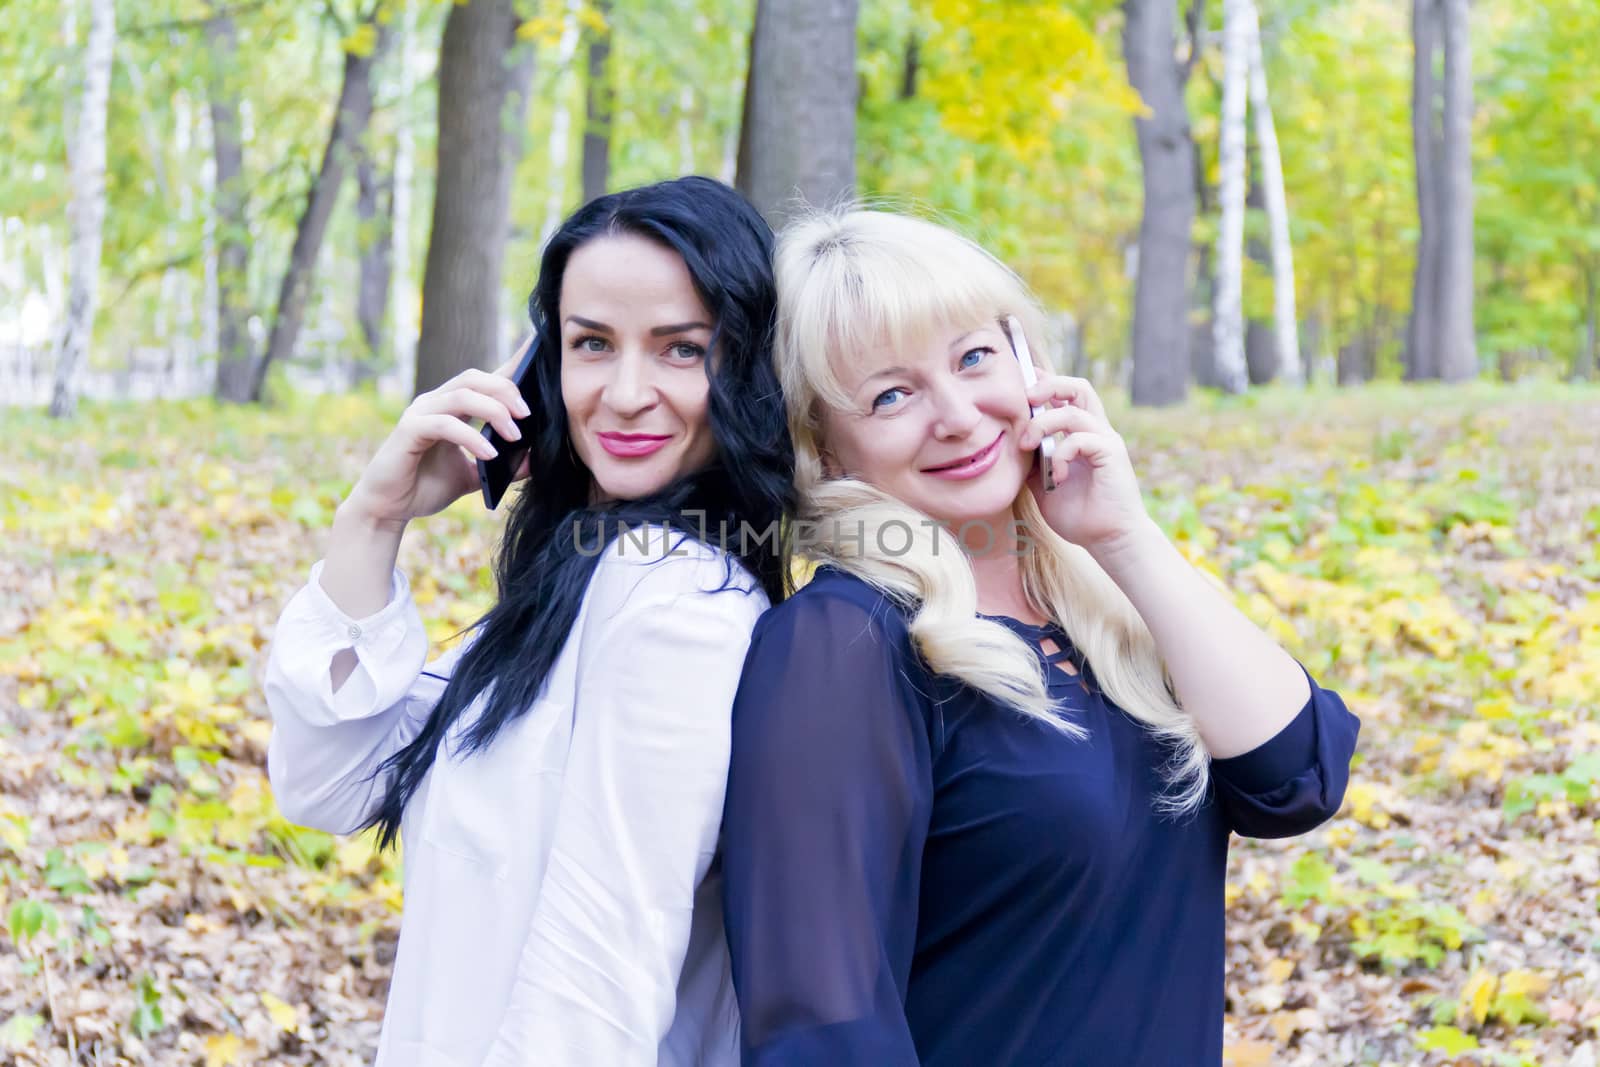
{"type": "Point", "coordinates": [916, 875]}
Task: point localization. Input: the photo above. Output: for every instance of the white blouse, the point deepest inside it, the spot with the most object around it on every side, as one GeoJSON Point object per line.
{"type": "Point", "coordinates": [562, 895]}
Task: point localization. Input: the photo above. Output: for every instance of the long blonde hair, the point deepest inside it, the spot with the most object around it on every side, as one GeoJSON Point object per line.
{"type": "Point", "coordinates": [850, 281]}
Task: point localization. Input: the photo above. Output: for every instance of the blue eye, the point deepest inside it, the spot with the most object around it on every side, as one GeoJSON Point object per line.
{"type": "Point", "coordinates": [686, 351]}
{"type": "Point", "coordinates": [967, 360]}
{"type": "Point", "coordinates": [882, 399]}
{"type": "Point", "coordinates": [590, 343]}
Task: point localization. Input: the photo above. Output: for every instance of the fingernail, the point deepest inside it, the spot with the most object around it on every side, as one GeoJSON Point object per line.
{"type": "Point", "coordinates": [493, 451]}
{"type": "Point", "coordinates": [522, 409]}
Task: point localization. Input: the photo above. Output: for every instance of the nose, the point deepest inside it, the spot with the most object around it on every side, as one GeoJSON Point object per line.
{"type": "Point", "coordinates": [955, 413]}
{"type": "Point", "coordinates": [629, 392]}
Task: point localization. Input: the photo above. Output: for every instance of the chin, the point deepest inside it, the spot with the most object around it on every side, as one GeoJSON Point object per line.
{"type": "Point", "coordinates": [983, 498]}
{"type": "Point", "coordinates": [626, 484]}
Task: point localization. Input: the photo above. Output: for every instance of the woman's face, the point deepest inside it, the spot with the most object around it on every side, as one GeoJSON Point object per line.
{"type": "Point", "coordinates": [634, 338]}
{"type": "Point", "coordinates": [936, 427]}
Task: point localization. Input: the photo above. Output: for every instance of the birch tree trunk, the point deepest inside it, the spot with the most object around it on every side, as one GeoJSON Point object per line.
{"type": "Point", "coordinates": [1166, 151]}
{"type": "Point", "coordinates": [1228, 326]}
{"type": "Point", "coordinates": [402, 292]}
{"type": "Point", "coordinates": [88, 206]}
{"type": "Point", "coordinates": [1285, 315]}
{"type": "Point", "coordinates": [561, 123]}
{"type": "Point", "coordinates": [1457, 358]}
{"type": "Point", "coordinates": [798, 136]}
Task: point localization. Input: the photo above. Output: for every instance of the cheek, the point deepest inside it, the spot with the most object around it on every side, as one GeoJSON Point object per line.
{"type": "Point", "coordinates": [691, 401]}
{"type": "Point", "coordinates": [572, 393]}
{"type": "Point", "coordinates": [877, 450]}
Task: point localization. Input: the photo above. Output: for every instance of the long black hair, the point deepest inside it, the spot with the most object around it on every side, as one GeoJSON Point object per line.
{"type": "Point", "coordinates": [547, 554]}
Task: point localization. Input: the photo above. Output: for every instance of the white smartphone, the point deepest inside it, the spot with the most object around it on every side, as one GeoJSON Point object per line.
{"type": "Point", "coordinates": [1030, 378]}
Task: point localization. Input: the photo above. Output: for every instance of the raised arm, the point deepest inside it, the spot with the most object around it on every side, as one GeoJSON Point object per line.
{"type": "Point", "coordinates": [345, 680]}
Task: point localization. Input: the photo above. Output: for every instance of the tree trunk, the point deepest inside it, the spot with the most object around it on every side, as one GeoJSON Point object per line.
{"type": "Point", "coordinates": [1583, 367]}
{"type": "Point", "coordinates": [403, 293]}
{"type": "Point", "coordinates": [375, 236]}
{"type": "Point", "coordinates": [560, 124]}
{"type": "Point", "coordinates": [1260, 349]}
{"type": "Point", "coordinates": [1228, 325]}
{"type": "Point", "coordinates": [483, 91]}
{"type": "Point", "coordinates": [1422, 331]}
{"type": "Point", "coordinates": [597, 109]}
{"type": "Point", "coordinates": [798, 137]}
{"type": "Point", "coordinates": [349, 126]}
{"type": "Point", "coordinates": [1260, 352]}
{"type": "Point", "coordinates": [1457, 358]}
{"type": "Point", "coordinates": [88, 206]}
{"type": "Point", "coordinates": [234, 351]}
{"type": "Point", "coordinates": [1203, 307]}
{"type": "Point", "coordinates": [1166, 149]}
{"type": "Point", "coordinates": [1285, 316]}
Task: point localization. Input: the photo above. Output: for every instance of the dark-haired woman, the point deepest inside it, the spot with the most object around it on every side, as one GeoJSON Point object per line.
{"type": "Point", "coordinates": [559, 778]}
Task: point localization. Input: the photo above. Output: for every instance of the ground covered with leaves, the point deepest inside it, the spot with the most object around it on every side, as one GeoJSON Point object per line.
{"type": "Point", "coordinates": [1434, 554]}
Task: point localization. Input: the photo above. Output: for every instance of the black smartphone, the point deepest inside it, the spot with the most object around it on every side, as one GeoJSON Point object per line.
{"type": "Point", "coordinates": [495, 475]}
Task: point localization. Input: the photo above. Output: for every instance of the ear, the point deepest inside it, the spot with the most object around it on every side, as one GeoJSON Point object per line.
{"type": "Point", "coordinates": [830, 466]}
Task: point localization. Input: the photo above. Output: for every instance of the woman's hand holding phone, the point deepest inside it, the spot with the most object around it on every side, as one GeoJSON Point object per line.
{"type": "Point", "coordinates": [429, 460]}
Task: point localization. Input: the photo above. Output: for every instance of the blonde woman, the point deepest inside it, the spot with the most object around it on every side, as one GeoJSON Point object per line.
{"type": "Point", "coordinates": [986, 764]}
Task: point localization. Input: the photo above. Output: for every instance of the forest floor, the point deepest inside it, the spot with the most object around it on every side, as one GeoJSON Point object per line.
{"type": "Point", "coordinates": [1432, 553]}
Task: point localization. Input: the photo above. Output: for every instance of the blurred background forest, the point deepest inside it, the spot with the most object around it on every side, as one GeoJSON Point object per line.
{"type": "Point", "coordinates": [1334, 264]}
{"type": "Point", "coordinates": [197, 197]}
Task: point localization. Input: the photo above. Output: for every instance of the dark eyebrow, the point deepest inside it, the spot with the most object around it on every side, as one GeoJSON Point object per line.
{"type": "Point", "coordinates": [588, 324]}
{"type": "Point", "coordinates": [682, 327]}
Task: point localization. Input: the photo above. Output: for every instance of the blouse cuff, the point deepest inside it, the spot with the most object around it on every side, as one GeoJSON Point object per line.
{"type": "Point", "coordinates": [391, 646]}
{"type": "Point", "coordinates": [1279, 760]}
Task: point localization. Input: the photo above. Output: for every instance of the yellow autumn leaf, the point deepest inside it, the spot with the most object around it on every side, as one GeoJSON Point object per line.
{"type": "Point", "coordinates": [1477, 995]}
{"type": "Point", "coordinates": [1248, 1054]}
{"type": "Point", "coordinates": [224, 1050]}
{"type": "Point", "coordinates": [282, 1014]}
{"type": "Point", "coordinates": [1529, 984]}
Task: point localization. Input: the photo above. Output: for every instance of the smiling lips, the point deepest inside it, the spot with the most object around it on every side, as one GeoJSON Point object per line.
{"type": "Point", "coordinates": [969, 466]}
{"type": "Point", "coordinates": [629, 445]}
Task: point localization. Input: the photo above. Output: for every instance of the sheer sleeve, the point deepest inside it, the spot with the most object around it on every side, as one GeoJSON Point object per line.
{"type": "Point", "coordinates": [829, 798]}
{"type": "Point", "coordinates": [327, 745]}
{"type": "Point", "coordinates": [1296, 780]}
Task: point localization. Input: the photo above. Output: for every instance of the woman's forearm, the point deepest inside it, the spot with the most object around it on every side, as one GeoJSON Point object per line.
{"type": "Point", "coordinates": [1239, 684]}
{"type": "Point", "coordinates": [357, 571]}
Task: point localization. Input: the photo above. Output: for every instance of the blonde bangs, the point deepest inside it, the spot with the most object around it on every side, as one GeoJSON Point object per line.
{"type": "Point", "coordinates": [855, 284]}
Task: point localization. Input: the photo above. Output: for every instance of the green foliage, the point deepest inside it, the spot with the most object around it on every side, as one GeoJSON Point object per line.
{"type": "Point", "coordinates": [1017, 127]}
{"type": "Point", "coordinates": [147, 1014]}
